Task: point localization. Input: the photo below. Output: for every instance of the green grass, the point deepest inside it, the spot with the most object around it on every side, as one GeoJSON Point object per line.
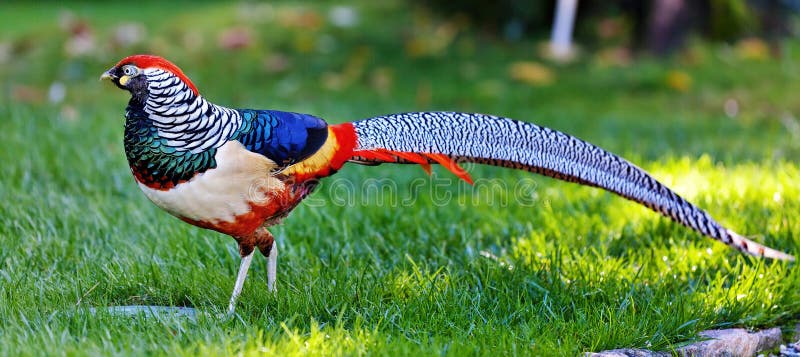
{"type": "Point", "coordinates": [575, 269]}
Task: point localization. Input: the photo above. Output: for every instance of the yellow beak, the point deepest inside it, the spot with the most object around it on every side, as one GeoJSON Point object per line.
{"type": "Point", "coordinates": [107, 75]}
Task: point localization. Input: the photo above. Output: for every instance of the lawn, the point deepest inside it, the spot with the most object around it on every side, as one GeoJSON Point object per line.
{"type": "Point", "coordinates": [387, 267]}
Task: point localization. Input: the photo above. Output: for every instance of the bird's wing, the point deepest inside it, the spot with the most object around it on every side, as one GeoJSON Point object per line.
{"type": "Point", "coordinates": [283, 137]}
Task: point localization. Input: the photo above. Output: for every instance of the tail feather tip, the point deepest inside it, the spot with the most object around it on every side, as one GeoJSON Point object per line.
{"type": "Point", "coordinates": [776, 254]}
{"type": "Point", "coordinates": [757, 249]}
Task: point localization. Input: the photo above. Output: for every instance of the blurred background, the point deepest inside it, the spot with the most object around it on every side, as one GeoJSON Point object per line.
{"type": "Point", "coordinates": [629, 64]}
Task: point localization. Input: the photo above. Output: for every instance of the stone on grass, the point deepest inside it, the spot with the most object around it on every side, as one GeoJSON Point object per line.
{"type": "Point", "coordinates": [627, 352]}
{"type": "Point", "coordinates": [735, 342]}
{"type": "Point", "coordinates": [792, 350]}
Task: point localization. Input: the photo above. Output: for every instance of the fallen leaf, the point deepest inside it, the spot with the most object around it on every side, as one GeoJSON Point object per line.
{"type": "Point", "coordinates": [277, 63]}
{"type": "Point", "coordinates": [382, 79]}
{"type": "Point", "coordinates": [752, 49]}
{"type": "Point", "coordinates": [614, 56]}
{"type": "Point", "coordinates": [532, 73]}
{"type": "Point", "coordinates": [679, 80]}
{"type": "Point", "coordinates": [301, 19]}
{"type": "Point", "coordinates": [27, 94]}
{"type": "Point", "coordinates": [235, 38]}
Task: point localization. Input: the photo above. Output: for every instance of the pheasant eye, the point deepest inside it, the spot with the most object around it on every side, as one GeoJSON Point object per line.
{"type": "Point", "coordinates": [129, 70]}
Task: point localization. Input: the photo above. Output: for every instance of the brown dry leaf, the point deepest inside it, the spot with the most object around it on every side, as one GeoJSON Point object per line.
{"type": "Point", "coordinates": [382, 80]}
{"type": "Point", "coordinates": [277, 63]}
{"type": "Point", "coordinates": [679, 80]}
{"type": "Point", "coordinates": [69, 113]}
{"type": "Point", "coordinates": [235, 38]}
{"type": "Point", "coordinates": [611, 27]}
{"type": "Point", "coordinates": [81, 39]}
{"type": "Point", "coordinates": [353, 70]}
{"type": "Point", "coordinates": [27, 94]}
{"type": "Point", "coordinates": [300, 19]}
{"type": "Point", "coordinates": [614, 56]}
{"type": "Point", "coordinates": [752, 49]}
{"type": "Point", "coordinates": [333, 81]}
{"type": "Point", "coordinates": [532, 73]}
{"type": "Point", "coordinates": [428, 40]}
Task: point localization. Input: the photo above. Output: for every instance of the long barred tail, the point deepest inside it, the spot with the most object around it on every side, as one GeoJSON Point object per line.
{"type": "Point", "coordinates": [448, 137]}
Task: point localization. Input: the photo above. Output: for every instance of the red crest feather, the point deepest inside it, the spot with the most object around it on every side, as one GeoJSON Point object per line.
{"type": "Point", "coordinates": [150, 61]}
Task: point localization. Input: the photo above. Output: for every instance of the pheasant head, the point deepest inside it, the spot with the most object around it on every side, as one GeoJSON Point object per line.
{"type": "Point", "coordinates": [171, 132]}
{"type": "Point", "coordinates": [146, 76]}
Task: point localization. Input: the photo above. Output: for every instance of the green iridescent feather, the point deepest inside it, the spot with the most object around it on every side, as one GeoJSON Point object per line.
{"type": "Point", "coordinates": [156, 163]}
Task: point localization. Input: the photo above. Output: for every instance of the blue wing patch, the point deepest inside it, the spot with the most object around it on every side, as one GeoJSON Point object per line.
{"type": "Point", "coordinates": [283, 137]}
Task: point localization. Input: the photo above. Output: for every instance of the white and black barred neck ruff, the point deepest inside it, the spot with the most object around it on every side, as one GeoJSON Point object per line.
{"type": "Point", "coordinates": [186, 120]}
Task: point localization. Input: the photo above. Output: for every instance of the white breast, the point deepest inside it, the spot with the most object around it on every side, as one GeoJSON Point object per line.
{"type": "Point", "coordinates": [240, 179]}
